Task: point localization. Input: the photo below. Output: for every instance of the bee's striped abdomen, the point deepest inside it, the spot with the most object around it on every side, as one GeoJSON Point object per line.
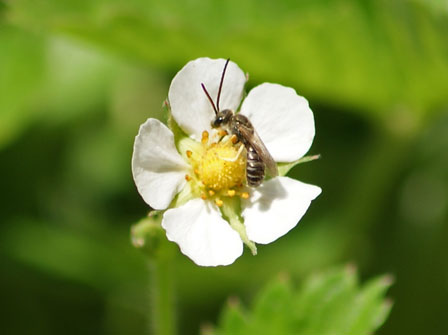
{"type": "Point", "coordinates": [254, 167]}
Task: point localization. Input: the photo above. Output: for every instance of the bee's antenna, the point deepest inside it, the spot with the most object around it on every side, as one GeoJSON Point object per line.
{"type": "Point", "coordinates": [220, 84]}
{"type": "Point", "coordinates": [209, 98]}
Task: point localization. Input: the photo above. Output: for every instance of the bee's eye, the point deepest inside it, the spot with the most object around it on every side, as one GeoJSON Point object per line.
{"type": "Point", "coordinates": [222, 118]}
{"type": "Point", "coordinates": [217, 122]}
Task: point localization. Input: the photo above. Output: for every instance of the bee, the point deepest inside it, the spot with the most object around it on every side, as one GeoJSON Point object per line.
{"type": "Point", "coordinates": [258, 156]}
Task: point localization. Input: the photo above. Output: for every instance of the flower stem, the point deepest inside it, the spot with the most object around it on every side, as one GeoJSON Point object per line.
{"type": "Point", "coordinates": [163, 319]}
{"type": "Point", "coordinates": [148, 236]}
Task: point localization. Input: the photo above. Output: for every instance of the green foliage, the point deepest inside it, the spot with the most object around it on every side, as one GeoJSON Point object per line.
{"type": "Point", "coordinates": [326, 304]}
{"type": "Point", "coordinates": [78, 77]}
{"type": "Point", "coordinates": [376, 55]}
{"type": "Point", "coordinates": [21, 67]}
{"type": "Point", "coordinates": [88, 257]}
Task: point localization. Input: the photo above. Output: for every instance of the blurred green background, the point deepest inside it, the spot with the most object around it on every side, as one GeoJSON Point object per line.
{"type": "Point", "coordinates": [78, 77]}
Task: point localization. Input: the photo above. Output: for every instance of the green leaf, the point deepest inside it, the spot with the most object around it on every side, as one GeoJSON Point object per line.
{"type": "Point", "coordinates": [322, 301]}
{"type": "Point", "coordinates": [272, 311]}
{"type": "Point", "coordinates": [370, 309]}
{"type": "Point", "coordinates": [233, 319]}
{"type": "Point", "coordinates": [377, 55]}
{"type": "Point", "coordinates": [328, 303]}
{"type": "Point", "coordinates": [21, 66]}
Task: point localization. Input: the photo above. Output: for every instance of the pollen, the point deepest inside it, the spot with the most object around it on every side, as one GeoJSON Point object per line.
{"type": "Point", "coordinates": [222, 167]}
{"type": "Point", "coordinates": [218, 167]}
{"type": "Point", "coordinates": [205, 136]}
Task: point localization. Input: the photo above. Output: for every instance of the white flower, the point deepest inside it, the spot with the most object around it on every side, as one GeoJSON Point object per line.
{"type": "Point", "coordinates": [209, 210]}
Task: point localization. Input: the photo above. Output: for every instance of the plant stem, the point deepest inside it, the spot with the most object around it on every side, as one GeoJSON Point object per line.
{"type": "Point", "coordinates": [163, 319]}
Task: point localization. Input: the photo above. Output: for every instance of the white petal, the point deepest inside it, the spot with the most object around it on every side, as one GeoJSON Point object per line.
{"type": "Point", "coordinates": [158, 169]}
{"type": "Point", "coordinates": [202, 234]}
{"type": "Point", "coordinates": [283, 120]}
{"type": "Point", "coordinates": [190, 106]}
{"type": "Point", "coordinates": [275, 207]}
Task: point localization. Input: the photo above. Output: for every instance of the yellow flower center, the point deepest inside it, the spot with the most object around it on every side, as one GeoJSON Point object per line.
{"type": "Point", "coordinates": [222, 167]}
{"type": "Point", "coordinates": [219, 168]}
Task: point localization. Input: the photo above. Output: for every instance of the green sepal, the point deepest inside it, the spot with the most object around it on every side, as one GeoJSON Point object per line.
{"type": "Point", "coordinates": [181, 140]}
{"type": "Point", "coordinates": [231, 210]}
{"type": "Point", "coordinates": [283, 168]}
{"type": "Point", "coordinates": [179, 134]}
{"type": "Point", "coordinates": [185, 195]}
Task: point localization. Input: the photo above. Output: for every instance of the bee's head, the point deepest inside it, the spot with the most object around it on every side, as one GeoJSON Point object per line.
{"type": "Point", "coordinates": [222, 118]}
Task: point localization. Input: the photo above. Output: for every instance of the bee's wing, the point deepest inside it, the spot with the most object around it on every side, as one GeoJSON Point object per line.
{"type": "Point", "coordinates": [255, 141]}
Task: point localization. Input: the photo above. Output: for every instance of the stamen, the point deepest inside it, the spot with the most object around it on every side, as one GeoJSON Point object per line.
{"type": "Point", "coordinates": [189, 153]}
{"type": "Point", "coordinates": [211, 193]}
{"type": "Point", "coordinates": [245, 195]}
{"type": "Point", "coordinates": [234, 139]}
{"type": "Point", "coordinates": [231, 193]}
{"type": "Point", "coordinates": [187, 177]}
{"type": "Point", "coordinates": [222, 133]}
{"type": "Point", "coordinates": [203, 196]}
{"type": "Point", "coordinates": [204, 139]}
{"type": "Point", "coordinates": [219, 202]}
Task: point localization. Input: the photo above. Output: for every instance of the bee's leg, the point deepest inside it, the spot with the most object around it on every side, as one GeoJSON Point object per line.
{"type": "Point", "coordinates": [234, 139]}
{"type": "Point", "coordinates": [222, 133]}
{"type": "Point", "coordinates": [230, 139]}
{"type": "Point", "coordinates": [240, 150]}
